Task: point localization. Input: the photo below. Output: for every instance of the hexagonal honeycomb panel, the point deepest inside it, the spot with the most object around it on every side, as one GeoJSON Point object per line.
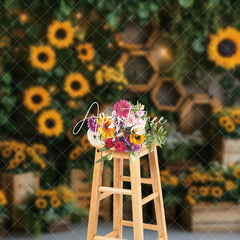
{"type": "Point", "coordinates": [196, 113]}
{"type": "Point", "coordinates": [136, 36]}
{"type": "Point", "coordinates": [168, 94]}
{"type": "Point", "coordinates": [140, 70]}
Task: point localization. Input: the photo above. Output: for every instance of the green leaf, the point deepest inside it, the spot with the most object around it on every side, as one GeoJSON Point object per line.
{"type": "Point", "coordinates": [186, 3]}
{"type": "Point", "coordinates": [7, 78]}
{"type": "Point", "coordinates": [197, 46]}
{"type": "Point", "coordinates": [59, 72]}
{"type": "Point", "coordinates": [104, 148]}
{"type": "Point", "coordinates": [113, 19]}
{"type": "Point", "coordinates": [107, 157]}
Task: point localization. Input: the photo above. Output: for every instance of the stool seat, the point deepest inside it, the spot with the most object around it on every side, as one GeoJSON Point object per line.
{"type": "Point", "coordinates": [100, 192]}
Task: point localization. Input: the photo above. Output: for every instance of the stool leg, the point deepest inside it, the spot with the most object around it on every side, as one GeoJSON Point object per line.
{"type": "Point", "coordinates": [95, 201]}
{"type": "Point", "coordinates": [158, 202]}
{"type": "Point", "coordinates": [136, 199]}
{"type": "Point", "coordinates": [117, 198]}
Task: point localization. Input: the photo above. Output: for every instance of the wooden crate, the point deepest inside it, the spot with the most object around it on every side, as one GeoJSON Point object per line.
{"type": "Point", "coordinates": [196, 113]}
{"type": "Point", "coordinates": [168, 94]}
{"type": "Point", "coordinates": [81, 186]}
{"type": "Point", "coordinates": [135, 36]}
{"type": "Point", "coordinates": [140, 69]}
{"type": "Point", "coordinates": [206, 217]}
{"type": "Point", "coordinates": [17, 187]}
{"type": "Point", "coordinates": [226, 151]}
{"type": "Point", "coordinates": [63, 225]}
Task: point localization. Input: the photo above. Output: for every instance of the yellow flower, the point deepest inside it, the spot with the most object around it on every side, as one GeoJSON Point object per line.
{"type": "Point", "coordinates": [40, 148]}
{"type": "Point", "coordinates": [60, 34]}
{"type": "Point", "coordinates": [99, 77]}
{"type": "Point", "coordinates": [7, 152]}
{"type": "Point", "coordinates": [137, 139]}
{"type": "Point", "coordinates": [104, 129]}
{"type": "Point", "coordinates": [20, 156]}
{"type": "Point", "coordinates": [224, 49]}
{"type": "Point", "coordinates": [86, 145]}
{"type": "Point", "coordinates": [3, 200]}
{"type": "Point", "coordinates": [35, 98]}
{"type": "Point", "coordinates": [193, 190]}
{"type": "Point", "coordinates": [75, 153]}
{"type": "Point", "coordinates": [236, 173]}
{"type": "Point", "coordinates": [230, 127]}
{"type": "Point", "coordinates": [55, 202]}
{"type": "Point", "coordinates": [236, 116]}
{"type": "Point", "coordinates": [216, 192]}
{"type": "Point", "coordinates": [68, 197]}
{"type": "Point", "coordinates": [223, 121]}
{"type": "Point", "coordinates": [86, 52]}
{"type": "Point", "coordinates": [76, 85]}
{"type": "Point", "coordinates": [14, 163]}
{"type": "Point", "coordinates": [41, 203]}
{"type": "Point", "coordinates": [42, 57]}
{"type": "Point", "coordinates": [230, 185]}
{"type": "Point", "coordinates": [50, 123]}
{"type": "Point", "coordinates": [203, 191]}
{"type": "Point", "coordinates": [190, 199]}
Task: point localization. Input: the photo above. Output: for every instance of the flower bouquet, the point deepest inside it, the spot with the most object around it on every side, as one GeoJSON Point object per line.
{"type": "Point", "coordinates": [127, 129]}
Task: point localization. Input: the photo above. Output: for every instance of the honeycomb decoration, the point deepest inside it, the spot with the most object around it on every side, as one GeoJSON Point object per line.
{"type": "Point", "coordinates": [136, 36]}
{"type": "Point", "coordinates": [140, 69]}
{"type": "Point", "coordinates": [168, 94]}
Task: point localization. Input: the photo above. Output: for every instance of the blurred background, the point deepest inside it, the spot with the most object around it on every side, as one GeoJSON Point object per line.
{"type": "Point", "coordinates": [180, 58]}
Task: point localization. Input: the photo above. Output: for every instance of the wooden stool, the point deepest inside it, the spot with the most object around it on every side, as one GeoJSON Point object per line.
{"type": "Point", "coordinates": [100, 192]}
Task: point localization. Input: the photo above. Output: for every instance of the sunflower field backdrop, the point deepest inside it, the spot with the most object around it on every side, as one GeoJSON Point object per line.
{"type": "Point", "coordinates": [58, 56]}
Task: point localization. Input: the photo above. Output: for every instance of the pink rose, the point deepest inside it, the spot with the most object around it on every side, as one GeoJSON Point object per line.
{"type": "Point", "coordinates": [140, 113]}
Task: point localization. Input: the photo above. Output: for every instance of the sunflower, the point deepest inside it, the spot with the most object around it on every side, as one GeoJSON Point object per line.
{"type": "Point", "coordinates": [223, 121]}
{"type": "Point", "coordinates": [40, 148]}
{"type": "Point", "coordinates": [137, 139]}
{"type": "Point", "coordinates": [50, 123]}
{"type": "Point", "coordinates": [193, 190]}
{"type": "Point", "coordinates": [230, 127]}
{"type": "Point", "coordinates": [203, 191]}
{"type": "Point", "coordinates": [236, 116]}
{"type": "Point", "coordinates": [31, 151]}
{"type": "Point", "coordinates": [190, 199]}
{"type": "Point", "coordinates": [104, 129]}
{"type": "Point", "coordinates": [7, 152]}
{"type": "Point", "coordinates": [76, 85]}
{"type": "Point", "coordinates": [20, 156]}
{"type": "Point", "coordinates": [60, 34]}
{"type": "Point", "coordinates": [14, 163]}
{"type": "Point", "coordinates": [55, 202]}
{"type": "Point", "coordinates": [3, 200]}
{"type": "Point", "coordinates": [86, 52]}
{"type": "Point", "coordinates": [41, 203]}
{"type": "Point", "coordinates": [68, 197]}
{"type": "Point", "coordinates": [230, 185]}
{"type": "Point", "coordinates": [85, 143]}
{"type": "Point", "coordinates": [216, 192]}
{"type": "Point", "coordinates": [224, 49]}
{"type": "Point", "coordinates": [236, 173]}
{"type": "Point", "coordinates": [35, 98]}
{"type": "Point", "coordinates": [75, 153]}
{"type": "Point", "coordinates": [42, 57]}
{"type": "Point", "coordinates": [99, 77]}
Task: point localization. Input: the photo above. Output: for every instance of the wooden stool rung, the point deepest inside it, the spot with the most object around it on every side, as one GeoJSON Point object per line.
{"type": "Point", "coordinates": [149, 198]}
{"type": "Point", "coordinates": [115, 190]}
{"type": "Point", "coordinates": [112, 234]}
{"type": "Point", "coordinates": [107, 238]}
{"type": "Point", "coordinates": [143, 180]}
{"type": "Point", "coordinates": [145, 225]}
{"type": "Point", "coordinates": [104, 195]}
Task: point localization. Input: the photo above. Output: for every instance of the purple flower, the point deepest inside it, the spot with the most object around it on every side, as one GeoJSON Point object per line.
{"type": "Point", "coordinates": [136, 148]}
{"type": "Point", "coordinates": [126, 148]}
{"type": "Point", "coordinates": [92, 124]}
{"type": "Point", "coordinates": [127, 140]}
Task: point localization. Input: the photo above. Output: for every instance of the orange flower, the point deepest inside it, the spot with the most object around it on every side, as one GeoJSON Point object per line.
{"type": "Point", "coordinates": [104, 129]}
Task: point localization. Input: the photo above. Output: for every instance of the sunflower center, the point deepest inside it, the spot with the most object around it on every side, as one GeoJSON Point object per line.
{"type": "Point", "coordinates": [227, 48]}
{"type": "Point", "coordinates": [50, 123]}
{"type": "Point", "coordinates": [36, 99]}
{"type": "Point", "coordinates": [61, 34]}
{"type": "Point", "coordinates": [84, 51]}
{"type": "Point", "coordinates": [137, 137]}
{"type": "Point", "coordinates": [42, 57]}
{"type": "Point", "coordinates": [75, 85]}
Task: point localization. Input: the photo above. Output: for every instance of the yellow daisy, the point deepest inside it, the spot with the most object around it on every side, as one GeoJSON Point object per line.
{"type": "Point", "coordinates": [86, 52]}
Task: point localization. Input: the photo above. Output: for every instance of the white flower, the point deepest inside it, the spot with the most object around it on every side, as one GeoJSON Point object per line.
{"type": "Point", "coordinates": [138, 129]}
{"type": "Point", "coordinates": [94, 138]}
